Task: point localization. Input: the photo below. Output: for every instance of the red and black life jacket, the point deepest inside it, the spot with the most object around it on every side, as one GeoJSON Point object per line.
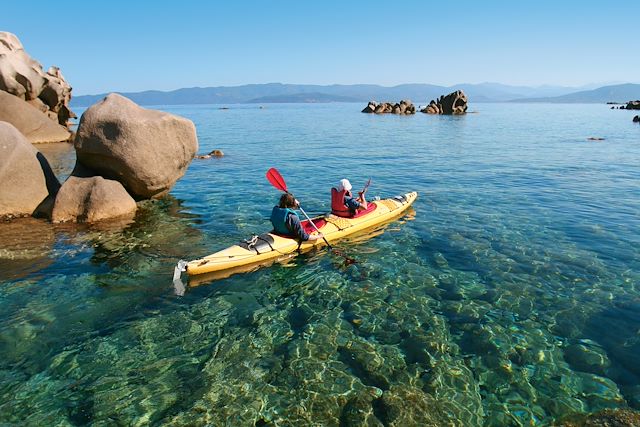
{"type": "Point", "coordinates": [338, 208]}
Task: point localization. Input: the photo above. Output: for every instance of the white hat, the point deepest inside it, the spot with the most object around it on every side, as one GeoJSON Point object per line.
{"type": "Point", "coordinates": [344, 185]}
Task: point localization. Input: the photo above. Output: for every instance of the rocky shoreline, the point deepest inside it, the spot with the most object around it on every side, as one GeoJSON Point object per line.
{"type": "Point", "coordinates": [124, 153]}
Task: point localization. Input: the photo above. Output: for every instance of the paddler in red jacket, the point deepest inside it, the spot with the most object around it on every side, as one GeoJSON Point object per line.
{"type": "Point", "coordinates": [342, 201]}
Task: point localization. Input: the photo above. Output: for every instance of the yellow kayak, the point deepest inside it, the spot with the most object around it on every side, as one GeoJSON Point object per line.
{"type": "Point", "coordinates": [270, 247]}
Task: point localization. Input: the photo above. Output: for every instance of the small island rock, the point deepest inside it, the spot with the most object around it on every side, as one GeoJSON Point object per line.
{"type": "Point", "coordinates": [453, 103]}
{"type": "Point", "coordinates": [146, 150]}
{"type": "Point", "coordinates": [633, 105]}
{"type": "Point", "coordinates": [214, 153]}
{"type": "Point", "coordinates": [403, 107]}
{"type": "Point", "coordinates": [27, 183]}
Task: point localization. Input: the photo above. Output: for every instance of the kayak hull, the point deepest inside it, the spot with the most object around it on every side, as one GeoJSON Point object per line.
{"type": "Point", "coordinates": [269, 247]}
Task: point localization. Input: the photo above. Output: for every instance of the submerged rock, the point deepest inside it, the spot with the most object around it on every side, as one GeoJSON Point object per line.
{"type": "Point", "coordinates": [146, 150]}
{"type": "Point", "coordinates": [27, 183]}
{"type": "Point", "coordinates": [606, 418]}
{"type": "Point", "coordinates": [406, 405]}
{"type": "Point", "coordinates": [26, 247]}
{"type": "Point", "coordinates": [587, 358]}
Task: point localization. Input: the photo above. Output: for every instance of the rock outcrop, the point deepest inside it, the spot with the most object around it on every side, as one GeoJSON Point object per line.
{"type": "Point", "coordinates": [23, 77]}
{"type": "Point", "coordinates": [403, 107]}
{"type": "Point", "coordinates": [214, 153]}
{"type": "Point", "coordinates": [31, 122]}
{"type": "Point", "coordinates": [636, 119]}
{"type": "Point", "coordinates": [92, 199]}
{"type": "Point", "coordinates": [454, 103]}
{"type": "Point", "coordinates": [633, 105]}
{"type": "Point", "coordinates": [27, 183]}
{"type": "Point", "coordinates": [145, 150]}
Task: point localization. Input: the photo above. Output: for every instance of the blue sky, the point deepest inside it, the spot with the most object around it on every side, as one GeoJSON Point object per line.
{"type": "Point", "coordinates": [135, 45]}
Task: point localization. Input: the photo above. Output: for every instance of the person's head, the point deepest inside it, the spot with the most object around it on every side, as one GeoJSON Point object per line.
{"type": "Point", "coordinates": [288, 201]}
{"type": "Point", "coordinates": [344, 185]}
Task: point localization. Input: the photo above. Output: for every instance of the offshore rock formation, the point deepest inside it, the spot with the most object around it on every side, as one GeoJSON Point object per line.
{"type": "Point", "coordinates": [27, 183]}
{"type": "Point", "coordinates": [633, 105]}
{"type": "Point", "coordinates": [214, 153]}
{"type": "Point", "coordinates": [23, 77]}
{"type": "Point", "coordinates": [636, 119]}
{"type": "Point", "coordinates": [31, 122]}
{"type": "Point", "coordinates": [145, 150]}
{"type": "Point", "coordinates": [454, 103]}
{"type": "Point", "coordinates": [403, 107]}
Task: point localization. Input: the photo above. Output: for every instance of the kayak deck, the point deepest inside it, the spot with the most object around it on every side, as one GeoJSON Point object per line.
{"type": "Point", "coordinates": [271, 247]}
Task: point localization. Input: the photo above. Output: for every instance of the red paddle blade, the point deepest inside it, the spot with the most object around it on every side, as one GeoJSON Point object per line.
{"type": "Point", "coordinates": [274, 177]}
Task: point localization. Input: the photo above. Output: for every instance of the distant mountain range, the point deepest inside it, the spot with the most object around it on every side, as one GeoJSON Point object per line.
{"type": "Point", "coordinates": [616, 93]}
{"type": "Point", "coordinates": [420, 94]}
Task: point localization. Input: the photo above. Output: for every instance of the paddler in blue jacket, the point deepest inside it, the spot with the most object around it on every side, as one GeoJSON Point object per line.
{"type": "Point", "coordinates": [286, 221]}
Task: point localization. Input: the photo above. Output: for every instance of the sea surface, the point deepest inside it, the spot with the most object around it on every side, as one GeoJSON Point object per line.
{"type": "Point", "coordinates": [509, 295]}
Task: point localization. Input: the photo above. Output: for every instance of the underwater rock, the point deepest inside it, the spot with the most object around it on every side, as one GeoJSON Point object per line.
{"type": "Point", "coordinates": [410, 406]}
{"type": "Point", "coordinates": [605, 418]}
{"type": "Point", "coordinates": [25, 248]}
{"type": "Point", "coordinates": [587, 358]}
{"type": "Point", "coordinates": [359, 412]}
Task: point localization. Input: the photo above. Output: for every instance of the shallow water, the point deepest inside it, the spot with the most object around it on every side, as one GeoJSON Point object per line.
{"type": "Point", "coordinates": [509, 296]}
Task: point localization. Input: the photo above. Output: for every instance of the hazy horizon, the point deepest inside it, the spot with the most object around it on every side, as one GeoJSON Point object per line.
{"type": "Point", "coordinates": [138, 46]}
{"type": "Point", "coordinates": [587, 86]}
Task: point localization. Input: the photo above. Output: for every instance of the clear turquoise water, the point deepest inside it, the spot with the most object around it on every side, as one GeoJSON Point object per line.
{"type": "Point", "coordinates": [510, 296]}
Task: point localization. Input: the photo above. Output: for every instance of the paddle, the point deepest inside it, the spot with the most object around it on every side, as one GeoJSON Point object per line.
{"type": "Point", "coordinates": [366, 187]}
{"type": "Point", "coordinates": [274, 177]}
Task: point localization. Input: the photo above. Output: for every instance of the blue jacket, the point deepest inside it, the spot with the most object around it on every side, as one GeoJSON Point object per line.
{"type": "Point", "coordinates": [287, 222]}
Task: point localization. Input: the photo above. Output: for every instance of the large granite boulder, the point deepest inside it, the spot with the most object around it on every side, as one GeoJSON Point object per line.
{"type": "Point", "coordinates": [27, 183]}
{"type": "Point", "coordinates": [402, 107]}
{"type": "Point", "coordinates": [22, 76]}
{"type": "Point", "coordinates": [92, 199]}
{"type": "Point", "coordinates": [454, 103]}
{"type": "Point", "coordinates": [633, 105]}
{"type": "Point", "coordinates": [146, 150]}
{"type": "Point", "coordinates": [33, 124]}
